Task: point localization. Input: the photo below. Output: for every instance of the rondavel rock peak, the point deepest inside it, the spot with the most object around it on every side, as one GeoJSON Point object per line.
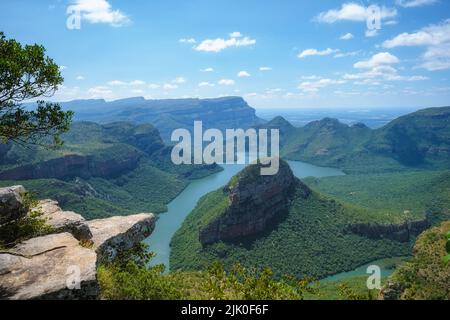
{"type": "Point", "coordinates": [256, 202]}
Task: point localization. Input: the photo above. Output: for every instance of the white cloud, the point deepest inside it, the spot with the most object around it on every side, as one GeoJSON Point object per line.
{"type": "Point", "coordinates": [120, 83]}
{"type": "Point", "coordinates": [371, 33]}
{"type": "Point", "coordinates": [243, 74]}
{"type": "Point", "coordinates": [61, 68]}
{"type": "Point", "coordinates": [100, 92]}
{"type": "Point", "coordinates": [137, 91]}
{"type": "Point", "coordinates": [99, 11]}
{"type": "Point", "coordinates": [315, 52]}
{"type": "Point", "coordinates": [187, 40]}
{"type": "Point", "coordinates": [153, 86]}
{"type": "Point", "coordinates": [437, 58]}
{"type": "Point", "coordinates": [169, 86]}
{"type": "Point", "coordinates": [347, 54]}
{"type": "Point", "coordinates": [219, 44]}
{"type": "Point", "coordinates": [315, 86]}
{"type": "Point", "coordinates": [428, 36]}
{"type": "Point", "coordinates": [179, 80]}
{"type": "Point", "coordinates": [379, 68]}
{"type": "Point", "coordinates": [353, 12]}
{"type": "Point", "coordinates": [347, 36]}
{"type": "Point", "coordinates": [313, 77]}
{"type": "Point", "coordinates": [80, 78]}
{"type": "Point", "coordinates": [380, 59]}
{"type": "Point", "coordinates": [207, 70]}
{"type": "Point", "coordinates": [137, 83]}
{"type": "Point", "coordinates": [206, 84]}
{"type": "Point", "coordinates": [414, 3]}
{"type": "Point", "coordinates": [236, 34]}
{"type": "Point", "coordinates": [226, 82]}
{"type": "Point", "coordinates": [265, 69]}
{"type": "Point", "coordinates": [437, 40]}
{"type": "Point", "coordinates": [117, 83]}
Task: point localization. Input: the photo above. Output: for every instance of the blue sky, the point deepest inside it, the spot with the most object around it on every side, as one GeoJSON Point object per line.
{"type": "Point", "coordinates": [286, 54]}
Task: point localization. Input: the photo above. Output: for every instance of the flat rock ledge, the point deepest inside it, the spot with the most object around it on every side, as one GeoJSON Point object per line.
{"type": "Point", "coordinates": [61, 265]}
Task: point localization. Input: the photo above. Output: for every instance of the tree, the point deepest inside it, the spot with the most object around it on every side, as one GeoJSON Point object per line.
{"type": "Point", "coordinates": [27, 73]}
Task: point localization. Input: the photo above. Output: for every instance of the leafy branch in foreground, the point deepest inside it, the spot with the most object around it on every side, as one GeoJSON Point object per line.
{"type": "Point", "coordinates": [27, 73]}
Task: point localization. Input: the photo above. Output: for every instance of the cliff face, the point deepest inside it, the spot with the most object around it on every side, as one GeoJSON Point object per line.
{"type": "Point", "coordinates": [398, 232]}
{"type": "Point", "coordinates": [71, 166]}
{"type": "Point", "coordinates": [256, 204]}
{"type": "Point", "coordinates": [168, 115]}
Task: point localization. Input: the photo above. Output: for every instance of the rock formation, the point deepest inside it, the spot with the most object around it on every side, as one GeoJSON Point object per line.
{"type": "Point", "coordinates": [399, 232]}
{"type": "Point", "coordinates": [11, 206]}
{"type": "Point", "coordinates": [73, 165]}
{"type": "Point", "coordinates": [59, 265]}
{"type": "Point", "coordinates": [256, 203]}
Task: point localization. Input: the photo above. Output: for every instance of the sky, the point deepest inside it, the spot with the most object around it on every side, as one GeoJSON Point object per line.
{"type": "Point", "coordinates": [275, 54]}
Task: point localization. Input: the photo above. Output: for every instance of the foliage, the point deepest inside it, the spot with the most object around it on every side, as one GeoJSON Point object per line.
{"type": "Point", "coordinates": [411, 141]}
{"type": "Point", "coordinates": [315, 229]}
{"type": "Point", "coordinates": [426, 276]}
{"type": "Point", "coordinates": [130, 277]}
{"type": "Point", "coordinates": [26, 73]}
{"type": "Point", "coordinates": [148, 187]}
{"type": "Point", "coordinates": [391, 197]}
{"type": "Point", "coordinates": [29, 226]}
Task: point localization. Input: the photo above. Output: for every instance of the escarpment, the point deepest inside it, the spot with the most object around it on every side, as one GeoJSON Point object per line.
{"type": "Point", "coordinates": [403, 232]}
{"type": "Point", "coordinates": [256, 204]}
{"type": "Point", "coordinates": [63, 264]}
{"type": "Point", "coordinates": [71, 166]}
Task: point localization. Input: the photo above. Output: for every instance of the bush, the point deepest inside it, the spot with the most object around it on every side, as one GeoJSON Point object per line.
{"type": "Point", "coordinates": [30, 226]}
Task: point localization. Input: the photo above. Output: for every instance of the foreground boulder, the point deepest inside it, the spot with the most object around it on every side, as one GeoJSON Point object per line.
{"type": "Point", "coordinates": [119, 233]}
{"type": "Point", "coordinates": [63, 221]}
{"type": "Point", "coordinates": [11, 204]}
{"type": "Point", "coordinates": [63, 265]}
{"type": "Point", "coordinates": [40, 268]}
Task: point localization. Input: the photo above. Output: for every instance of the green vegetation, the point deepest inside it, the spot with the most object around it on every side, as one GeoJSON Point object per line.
{"type": "Point", "coordinates": [104, 187]}
{"type": "Point", "coordinates": [29, 226]}
{"type": "Point", "coordinates": [418, 140]}
{"type": "Point", "coordinates": [27, 73]}
{"type": "Point", "coordinates": [314, 229]}
{"type": "Point", "coordinates": [426, 276]}
{"type": "Point", "coordinates": [129, 277]}
{"type": "Point", "coordinates": [392, 197]}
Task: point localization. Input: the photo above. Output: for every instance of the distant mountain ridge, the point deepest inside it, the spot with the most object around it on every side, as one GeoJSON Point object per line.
{"type": "Point", "coordinates": [170, 114]}
{"type": "Point", "coordinates": [417, 140]}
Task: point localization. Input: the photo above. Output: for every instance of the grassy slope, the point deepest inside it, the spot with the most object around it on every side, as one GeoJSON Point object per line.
{"type": "Point", "coordinates": [311, 241]}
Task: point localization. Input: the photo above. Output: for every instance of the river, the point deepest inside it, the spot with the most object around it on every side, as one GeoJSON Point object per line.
{"type": "Point", "coordinates": [168, 223]}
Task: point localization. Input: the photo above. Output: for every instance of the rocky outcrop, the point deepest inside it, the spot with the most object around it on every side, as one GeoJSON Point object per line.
{"type": "Point", "coordinates": [41, 268]}
{"type": "Point", "coordinates": [63, 221]}
{"type": "Point", "coordinates": [11, 204]}
{"type": "Point", "coordinates": [256, 204]}
{"type": "Point", "coordinates": [59, 265]}
{"type": "Point", "coordinates": [119, 233]}
{"type": "Point", "coordinates": [399, 232]}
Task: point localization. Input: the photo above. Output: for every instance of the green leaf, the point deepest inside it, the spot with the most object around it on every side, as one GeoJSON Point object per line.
{"type": "Point", "coordinates": [446, 259]}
